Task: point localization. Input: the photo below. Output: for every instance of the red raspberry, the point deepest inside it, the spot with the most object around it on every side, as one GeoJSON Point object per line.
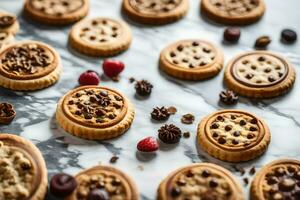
{"type": "Point", "coordinates": [112, 68]}
{"type": "Point", "coordinates": [89, 78]}
{"type": "Point", "coordinates": [148, 144]}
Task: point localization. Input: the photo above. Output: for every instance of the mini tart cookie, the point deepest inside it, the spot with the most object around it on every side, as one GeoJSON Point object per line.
{"type": "Point", "coordinates": [259, 74]}
{"type": "Point", "coordinates": [29, 65]}
{"type": "Point", "coordinates": [100, 37]}
{"type": "Point", "coordinates": [116, 184]}
{"type": "Point", "coordinates": [233, 135]}
{"type": "Point", "coordinates": [155, 12]}
{"type": "Point", "coordinates": [200, 181]}
{"type": "Point", "coordinates": [23, 171]}
{"type": "Point", "coordinates": [277, 180]}
{"type": "Point", "coordinates": [233, 12]}
{"type": "Point", "coordinates": [6, 38]}
{"type": "Point", "coordinates": [8, 23]}
{"type": "Point", "coordinates": [191, 60]}
{"type": "Point", "coordinates": [94, 113]}
{"type": "Point", "coordinates": [56, 12]}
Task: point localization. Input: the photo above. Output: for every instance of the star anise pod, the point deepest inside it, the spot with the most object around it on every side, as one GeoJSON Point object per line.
{"type": "Point", "coordinates": [160, 114]}
{"type": "Point", "coordinates": [229, 97]}
{"type": "Point", "coordinates": [169, 134]}
{"type": "Point", "coordinates": [143, 88]}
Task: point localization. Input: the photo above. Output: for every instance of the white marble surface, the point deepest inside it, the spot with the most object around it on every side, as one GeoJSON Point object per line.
{"type": "Point", "coordinates": [35, 110]}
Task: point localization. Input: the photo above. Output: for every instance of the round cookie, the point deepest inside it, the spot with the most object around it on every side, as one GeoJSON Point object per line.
{"type": "Point", "coordinates": [56, 12]}
{"type": "Point", "coordinates": [191, 60]}
{"type": "Point", "coordinates": [94, 113]}
{"type": "Point", "coordinates": [233, 135]}
{"type": "Point", "coordinates": [108, 181]}
{"type": "Point", "coordinates": [100, 37]}
{"type": "Point", "coordinates": [236, 12]}
{"type": "Point", "coordinates": [155, 12]}
{"type": "Point", "coordinates": [277, 180]}
{"type": "Point", "coordinates": [29, 65]}
{"type": "Point", "coordinates": [23, 171]}
{"type": "Point", "coordinates": [8, 23]}
{"type": "Point", "coordinates": [200, 181]}
{"type": "Point", "coordinates": [259, 74]}
{"type": "Point", "coordinates": [6, 38]}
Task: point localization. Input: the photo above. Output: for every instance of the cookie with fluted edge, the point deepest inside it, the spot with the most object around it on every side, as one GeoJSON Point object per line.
{"type": "Point", "coordinates": [56, 12]}
{"type": "Point", "coordinates": [29, 65]}
{"type": "Point", "coordinates": [23, 169]}
{"type": "Point", "coordinates": [95, 113]}
{"type": "Point", "coordinates": [6, 38]}
{"type": "Point", "coordinates": [8, 23]}
{"type": "Point", "coordinates": [108, 181]}
{"type": "Point", "coordinates": [100, 37]}
{"type": "Point", "coordinates": [277, 180]}
{"type": "Point", "coordinates": [191, 60]}
{"type": "Point", "coordinates": [237, 12]}
{"type": "Point", "coordinates": [259, 74]}
{"type": "Point", "coordinates": [155, 12]}
{"type": "Point", "coordinates": [233, 135]}
{"type": "Point", "coordinates": [200, 181]}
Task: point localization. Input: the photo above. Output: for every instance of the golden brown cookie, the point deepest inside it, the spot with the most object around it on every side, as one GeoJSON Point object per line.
{"type": "Point", "coordinates": [107, 181]}
{"type": "Point", "coordinates": [23, 171]}
{"type": "Point", "coordinates": [200, 181]}
{"type": "Point", "coordinates": [94, 113]}
{"type": "Point", "coordinates": [233, 12]}
{"type": "Point", "coordinates": [6, 38]}
{"type": "Point", "coordinates": [278, 180]}
{"type": "Point", "coordinates": [191, 60]}
{"type": "Point", "coordinates": [56, 12]}
{"type": "Point", "coordinates": [8, 23]}
{"type": "Point", "coordinates": [29, 65]}
{"type": "Point", "coordinates": [259, 74]}
{"type": "Point", "coordinates": [155, 12]}
{"type": "Point", "coordinates": [100, 37]}
{"type": "Point", "coordinates": [233, 135]}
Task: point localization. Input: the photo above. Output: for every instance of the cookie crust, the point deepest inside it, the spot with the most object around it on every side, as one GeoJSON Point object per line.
{"type": "Point", "coordinates": [205, 172]}
{"type": "Point", "coordinates": [243, 16]}
{"type": "Point", "coordinates": [100, 37]}
{"type": "Point", "coordinates": [125, 183]}
{"type": "Point", "coordinates": [155, 17]}
{"type": "Point", "coordinates": [89, 127]}
{"type": "Point", "coordinates": [31, 154]}
{"type": "Point", "coordinates": [233, 135]}
{"type": "Point", "coordinates": [282, 79]}
{"type": "Point", "coordinates": [204, 60]}
{"type": "Point", "coordinates": [56, 19]}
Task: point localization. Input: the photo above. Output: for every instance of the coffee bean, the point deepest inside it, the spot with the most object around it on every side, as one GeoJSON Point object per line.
{"type": "Point", "coordinates": [262, 42]}
{"type": "Point", "coordinates": [232, 34]}
{"type": "Point", "coordinates": [98, 194]}
{"type": "Point", "coordinates": [288, 36]}
{"type": "Point", "coordinates": [62, 185]}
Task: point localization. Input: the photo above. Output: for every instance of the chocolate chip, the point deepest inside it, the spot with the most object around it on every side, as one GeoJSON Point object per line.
{"type": "Point", "coordinates": [261, 59]}
{"type": "Point", "coordinates": [78, 112]}
{"type": "Point", "coordinates": [93, 99]}
{"type": "Point", "coordinates": [88, 116]}
{"type": "Point", "coordinates": [250, 136]}
{"type": "Point", "coordinates": [268, 70]}
{"type": "Point", "coordinates": [214, 126]}
{"type": "Point", "coordinates": [195, 44]}
{"type": "Point", "coordinates": [189, 174]}
{"type": "Point", "coordinates": [205, 173]}
{"type": "Point", "coordinates": [222, 140]}
{"type": "Point", "coordinates": [228, 128]}
{"type": "Point", "coordinates": [249, 76]}
{"type": "Point", "coordinates": [175, 192]}
{"type": "Point", "coordinates": [172, 54]}
{"type": "Point", "coordinates": [180, 48]}
{"type": "Point", "coordinates": [246, 181]}
{"type": "Point", "coordinates": [232, 34]}
{"type": "Point", "coordinates": [98, 194]}
{"type": "Point", "coordinates": [287, 184]}
{"type": "Point", "coordinates": [116, 182]}
{"type": "Point", "coordinates": [253, 121]}
{"type": "Point", "coordinates": [252, 171]}
{"type": "Point", "coordinates": [220, 118]}
{"type": "Point", "coordinates": [236, 133]}
{"type": "Point", "coordinates": [233, 117]}
{"type": "Point", "coordinates": [253, 128]}
{"type": "Point", "coordinates": [243, 122]}
{"type": "Point", "coordinates": [71, 102]}
{"type": "Point", "coordinates": [215, 134]}
{"type": "Point", "coordinates": [288, 36]}
{"type": "Point", "coordinates": [213, 183]}
{"type": "Point", "coordinates": [280, 172]}
{"type": "Point", "coordinates": [272, 180]}
{"type": "Point", "coordinates": [262, 42]}
{"type": "Point", "coordinates": [235, 142]}
{"type": "Point", "coordinates": [181, 182]}
{"type": "Point", "coordinates": [62, 185]}
{"type": "Point", "coordinates": [271, 78]}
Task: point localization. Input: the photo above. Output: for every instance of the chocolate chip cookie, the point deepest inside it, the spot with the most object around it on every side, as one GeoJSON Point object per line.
{"type": "Point", "coordinates": [277, 180]}
{"type": "Point", "coordinates": [100, 37]}
{"type": "Point", "coordinates": [103, 182]}
{"type": "Point", "coordinates": [29, 65]}
{"type": "Point", "coordinates": [191, 60]}
{"type": "Point", "coordinates": [94, 113]}
{"type": "Point", "coordinates": [233, 12]}
{"type": "Point", "coordinates": [56, 12]}
{"type": "Point", "coordinates": [233, 135]}
{"type": "Point", "coordinates": [259, 74]}
{"type": "Point", "coordinates": [200, 181]}
{"type": "Point", "coordinates": [23, 172]}
{"type": "Point", "coordinates": [155, 12]}
{"type": "Point", "coordinates": [8, 23]}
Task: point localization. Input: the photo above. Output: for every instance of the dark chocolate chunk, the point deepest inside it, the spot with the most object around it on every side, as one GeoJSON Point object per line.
{"type": "Point", "coordinates": [62, 185]}
{"type": "Point", "coordinates": [232, 34]}
{"type": "Point", "coordinates": [98, 194]}
{"type": "Point", "coordinates": [288, 36]}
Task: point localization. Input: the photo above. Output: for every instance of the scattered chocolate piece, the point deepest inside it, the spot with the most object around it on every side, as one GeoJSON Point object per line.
{"type": "Point", "coordinates": [169, 134]}
{"type": "Point", "coordinates": [160, 114]}
{"type": "Point", "coordinates": [187, 119]}
{"type": "Point", "coordinates": [186, 134]}
{"type": "Point", "coordinates": [246, 181]}
{"type": "Point", "coordinates": [229, 97]}
{"type": "Point", "coordinates": [232, 34]}
{"type": "Point", "coordinates": [172, 110]}
{"type": "Point", "coordinates": [98, 194]}
{"type": "Point", "coordinates": [113, 159]}
{"type": "Point", "coordinates": [7, 113]}
{"type": "Point", "coordinates": [252, 171]}
{"type": "Point", "coordinates": [7, 20]}
{"type": "Point", "coordinates": [288, 36]}
{"type": "Point", "coordinates": [131, 79]}
{"type": "Point", "coordinates": [143, 88]}
{"type": "Point", "coordinates": [62, 185]}
{"type": "Point", "coordinates": [262, 42]}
